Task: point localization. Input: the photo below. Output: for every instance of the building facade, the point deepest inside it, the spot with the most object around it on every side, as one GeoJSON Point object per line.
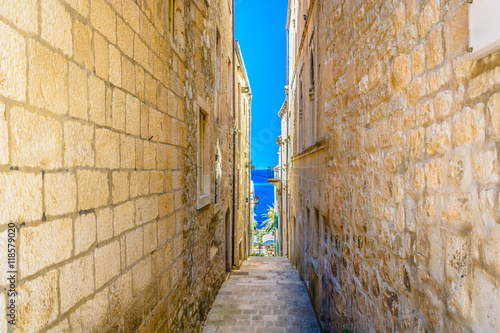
{"type": "Point", "coordinates": [117, 121]}
{"type": "Point", "coordinates": [393, 167]}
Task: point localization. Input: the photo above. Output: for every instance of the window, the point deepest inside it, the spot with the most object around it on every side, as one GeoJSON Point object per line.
{"type": "Point", "coordinates": [218, 54]}
{"type": "Point", "coordinates": [301, 133]}
{"type": "Point", "coordinates": [218, 173]}
{"type": "Point", "coordinates": [203, 157]}
{"type": "Point", "coordinates": [312, 108]}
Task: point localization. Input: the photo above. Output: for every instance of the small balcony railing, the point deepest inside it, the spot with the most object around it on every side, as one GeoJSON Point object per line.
{"type": "Point", "coordinates": [273, 174]}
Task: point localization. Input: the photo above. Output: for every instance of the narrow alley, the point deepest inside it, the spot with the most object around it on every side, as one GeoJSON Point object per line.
{"type": "Point", "coordinates": [265, 295]}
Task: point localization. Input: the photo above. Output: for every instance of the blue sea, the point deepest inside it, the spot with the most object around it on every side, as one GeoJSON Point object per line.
{"type": "Point", "coordinates": [265, 191]}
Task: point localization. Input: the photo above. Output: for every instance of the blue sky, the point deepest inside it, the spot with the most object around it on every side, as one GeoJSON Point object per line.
{"type": "Point", "coordinates": [261, 31]}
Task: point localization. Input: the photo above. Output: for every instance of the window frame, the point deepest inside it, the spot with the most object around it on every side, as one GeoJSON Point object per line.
{"type": "Point", "coordinates": [203, 166]}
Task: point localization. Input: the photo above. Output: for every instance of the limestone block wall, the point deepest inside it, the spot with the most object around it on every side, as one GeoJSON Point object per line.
{"type": "Point", "coordinates": [96, 127]}
{"type": "Point", "coordinates": [409, 192]}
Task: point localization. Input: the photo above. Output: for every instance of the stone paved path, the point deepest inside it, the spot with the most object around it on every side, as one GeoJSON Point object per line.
{"type": "Point", "coordinates": [265, 295]}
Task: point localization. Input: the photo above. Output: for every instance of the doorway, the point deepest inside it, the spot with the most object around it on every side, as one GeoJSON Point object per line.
{"type": "Point", "coordinates": [228, 241]}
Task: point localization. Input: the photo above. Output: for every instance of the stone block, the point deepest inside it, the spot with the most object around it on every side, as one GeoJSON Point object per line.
{"type": "Point", "coordinates": [82, 45]}
{"type": "Point", "coordinates": [401, 73]}
{"type": "Point", "coordinates": [23, 15]}
{"type": "Point", "coordinates": [428, 17]}
{"type": "Point", "coordinates": [128, 75]}
{"type": "Point", "coordinates": [484, 166]}
{"type": "Point", "coordinates": [486, 299]}
{"type": "Point", "coordinates": [107, 263]}
{"type": "Point", "coordinates": [120, 293]}
{"type": "Point", "coordinates": [36, 139]}
{"type": "Point", "coordinates": [150, 240]}
{"type": "Point", "coordinates": [131, 14]}
{"type": "Point", "coordinates": [78, 143]}
{"type": "Point", "coordinates": [141, 276]}
{"type": "Point", "coordinates": [115, 66]}
{"type": "Point", "coordinates": [141, 53]}
{"type": "Point", "coordinates": [85, 232]}
{"type": "Point", "coordinates": [76, 280]}
{"type": "Point", "coordinates": [146, 209]}
{"type": "Point", "coordinates": [125, 38]}
{"type": "Point", "coordinates": [103, 18]}
{"type": "Point", "coordinates": [469, 126]}
{"type": "Point", "coordinates": [127, 148]}
{"type": "Point", "coordinates": [144, 122]}
{"type": "Point", "coordinates": [139, 154]}
{"type": "Point", "coordinates": [93, 316]}
{"type": "Point", "coordinates": [157, 182]}
{"type": "Point", "coordinates": [38, 303]}
{"type": "Point", "coordinates": [93, 189]}
{"type": "Point", "coordinates": [166, 203]}
{"type": "Point", "coordinates": [438, 138]}
{"type": "Point", "coordinates": [134, 246]}
{"type": "Point", "coordinates": [162, 157]}
{"type": "Point", "coordinates": [494, 115]}
{"type": "Point", "coordinates": [150, 89]}
{"type": "Point", "coordinates": [60, 193]}
{"type": "Point", "coordinates": [101, 56]}
{"type": "Point", "coordinates": [139, 184]}
{"type": "Point", "coordinates": [107, 149]}
{"type": "Point", "coordinates": [13, 55]}
{"type": "Point", "coordinates": [443, 103]}
{"type": "Point", "coordinates": [418, 60]}
{"type": "Point", "coordinates": [78, 106]}
{"type": "Point", "coordinates": [47, 79]}
{"type": "Point", "coordinates": [435, 48]}
{"type": "Point", "coordinates": [20, 197]}
{"type": "Point", "coordinates": [81, 6]}
{"type": "Point", "coordinates": [124, 216]}
{"type": "Point", "coordinates": [118, 110]}
{"type": "Point", "coordinates": [54, 239]}
{"type": "Point", "coordinates": [149, 155]}
{"type": "Point", "coordinates": [56, 26]}
{"type": "Point", "coordinates": [121, 186]}
{"type": "Point", "coordinates": [139, 81]}
{"type": "Point", "coordinates": [456, 32]}
{"type": "Point", "coordinates": [133, 115]}
{"type": "Point", "coordinates": [159, 125]}
{"type": "Point", "coordinates": [97, 101]}
{"type": "Point", "coordinates": [104, 221]}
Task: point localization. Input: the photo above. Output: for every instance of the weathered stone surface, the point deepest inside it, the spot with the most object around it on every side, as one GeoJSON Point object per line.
{"type": "Point", "coordinates": [60, 193]}
{"type": "Point", "coordinates": [53, 239]}
{"type": "Point", "coordinates": [104, 267]}
{"type": "Point", "coordinates": [103, 19]}
{"type": "Point", "coordinates": [38, 303]}
{"type": "Point", "coordinates": [78, 143]}
{"type": "Point", "coordinates": [124, 217]}
{"type": "Point", "coordinates": [36, 140]}
{"type": "Point", "coordinates": [85, 232]}
{"type": "Point", "coordinates": [93, 315]}
{"type": "Point", "coordinates": [13, 54]}
{"type": "Point", "coordinates": [47, 79]}
{"type": "Point", "coordinates": [56, 26]}
{"type": "Point", "coordinates": [21, 14]}
{"type": "Point", "coordinates": [20, 197]}
{"type": "Point", "coordinates": [76, 281]}
{"type": "Point", "coordinates": [93, 189]}
{"type": "Point", "coordinates": [78, 105]}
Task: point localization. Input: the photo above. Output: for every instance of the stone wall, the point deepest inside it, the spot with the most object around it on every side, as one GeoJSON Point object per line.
{"type": "Point", "coordinates": [98, 162]}
{"type": "Point", "coordinates": [406, 185]}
